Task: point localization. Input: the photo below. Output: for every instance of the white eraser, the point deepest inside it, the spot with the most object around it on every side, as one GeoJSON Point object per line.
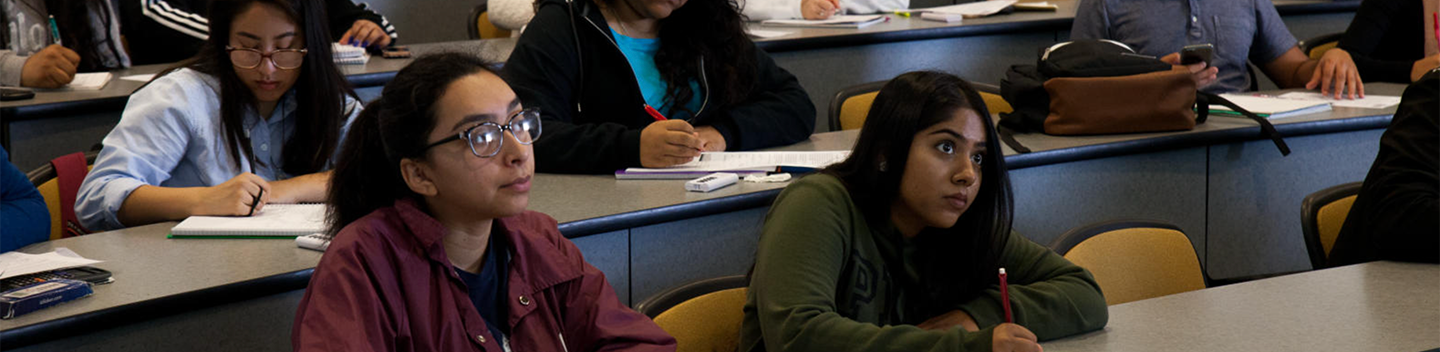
{"type": "Point", "coordinates": [711, 182]}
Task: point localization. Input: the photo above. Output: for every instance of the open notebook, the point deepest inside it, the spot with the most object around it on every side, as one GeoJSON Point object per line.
{"type": "Point", "coordinates": [274, 220]}
{"type": "Point", "coordinates": [1270, 107]}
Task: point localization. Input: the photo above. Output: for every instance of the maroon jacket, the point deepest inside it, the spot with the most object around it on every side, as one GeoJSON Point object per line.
{"type": "Point", "coordinates": [385, 284]}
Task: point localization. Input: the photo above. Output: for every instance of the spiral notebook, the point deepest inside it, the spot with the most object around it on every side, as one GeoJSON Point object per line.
{"type": "Point", "coordinates": [272, 221]}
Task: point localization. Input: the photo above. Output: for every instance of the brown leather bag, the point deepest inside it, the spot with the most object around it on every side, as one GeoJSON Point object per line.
{"type": "Point", "coordinates": [1149, 102]}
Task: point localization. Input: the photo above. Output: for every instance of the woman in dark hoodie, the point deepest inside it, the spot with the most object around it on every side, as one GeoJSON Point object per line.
{"type": "Point", "coordinates": [594, 68]}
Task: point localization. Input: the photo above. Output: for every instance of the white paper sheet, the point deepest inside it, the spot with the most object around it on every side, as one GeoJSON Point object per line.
{"type": "Point", "coordinates": [1368, 102]}
{"type": "Point", "coordinates": [15, 263]}
{"type": "Point", "coordinates": [90, 81]}
{"type": "Point", "coordinates": [764, 34]}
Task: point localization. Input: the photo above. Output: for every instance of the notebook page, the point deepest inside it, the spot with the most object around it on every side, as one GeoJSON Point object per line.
{"type": "Point", "coordinates": [272, 220]}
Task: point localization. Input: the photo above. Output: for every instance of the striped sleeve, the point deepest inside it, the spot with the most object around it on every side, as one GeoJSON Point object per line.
{"type": "Point", "coordinates": [177, 15]}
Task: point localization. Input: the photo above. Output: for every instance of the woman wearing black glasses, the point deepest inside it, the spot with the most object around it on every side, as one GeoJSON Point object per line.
{"type": "Point", "coordinates": [433, 249]}
{"type": "Point", "coordinates": [254, 118]}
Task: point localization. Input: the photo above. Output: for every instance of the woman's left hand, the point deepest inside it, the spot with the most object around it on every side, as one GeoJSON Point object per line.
{"type": "Point", "coordinates": [365, 34]}
{"type": "Point", "coordinates": [711, 138]}
{"type": "Point", "coordinates": [948, 320]}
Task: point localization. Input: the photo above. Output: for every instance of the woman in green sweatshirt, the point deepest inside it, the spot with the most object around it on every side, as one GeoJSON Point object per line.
{"type": "Point", "coordinates": [897, 248]}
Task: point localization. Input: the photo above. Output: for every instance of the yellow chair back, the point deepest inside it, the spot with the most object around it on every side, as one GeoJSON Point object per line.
{"type": "Point", "coordinates": [1132, 264]}
{"type": "Point", "coordinates": [1319, 50]}
{"type": "Point", "coordinates": [1329, 220]}
{"type": "Point", "coordinates": [854, 110]}
{"type": "Point", "coordinates": [995, 103]}
{"type": "Point", "coordinates": [710, 322]}
{"type": "Point", "coordinates": [50, 190]}
{"type": "Point", "coordinates": [488, 30]}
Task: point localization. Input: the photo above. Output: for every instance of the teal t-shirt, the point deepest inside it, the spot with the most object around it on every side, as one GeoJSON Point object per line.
{"type": "Point", "coordinates": [641, 54]}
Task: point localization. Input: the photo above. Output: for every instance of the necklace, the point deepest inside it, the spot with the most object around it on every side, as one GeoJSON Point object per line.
{"type": "Point", "coordinates": [624, 30]}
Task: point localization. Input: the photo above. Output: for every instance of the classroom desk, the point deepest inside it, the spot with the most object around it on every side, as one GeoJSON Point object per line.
{"type": "Point", "coordinates": [1377, 306]}
{"type": "Point", "coordinates": [826, 60]}
{"type": "Point", "coordinates": [649, 235]}
{"type": "Point", "coordinates": [61, 122]}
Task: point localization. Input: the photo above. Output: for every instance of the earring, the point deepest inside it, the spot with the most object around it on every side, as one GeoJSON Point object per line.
{"type": "Point", "coordinates": [882, 166]}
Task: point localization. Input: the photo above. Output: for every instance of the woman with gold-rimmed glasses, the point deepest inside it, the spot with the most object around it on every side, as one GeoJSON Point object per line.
{"type": "Point", "coordinates": [255, 118]}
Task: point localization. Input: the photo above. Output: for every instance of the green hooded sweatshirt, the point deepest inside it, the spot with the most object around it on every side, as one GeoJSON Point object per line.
{"type": "Point", "coordinates": [821, 283]}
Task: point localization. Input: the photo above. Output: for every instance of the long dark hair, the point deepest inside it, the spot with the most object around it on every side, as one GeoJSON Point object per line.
{"type": "Point", "coordinates": [958, 263]}
{"type": "Point", "coordinates": [714, 30]}
{"type": "Point", "coordinates": [320, 111]}
{"type": "Point", "coordinates": [395, 126]}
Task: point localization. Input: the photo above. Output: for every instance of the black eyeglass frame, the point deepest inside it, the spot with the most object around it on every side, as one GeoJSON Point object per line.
{"type": "Point", "coordinates": [230, 50]}
{"type": "Point", "coordinates": [466, 134]}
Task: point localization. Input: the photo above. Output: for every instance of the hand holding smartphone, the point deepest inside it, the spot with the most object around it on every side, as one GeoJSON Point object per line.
{"type": "Point", "coordinates": [1194, 54]}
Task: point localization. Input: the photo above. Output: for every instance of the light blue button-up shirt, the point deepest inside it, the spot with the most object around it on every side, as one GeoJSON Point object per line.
{"type": "Point", "coordinates": [170, 135]}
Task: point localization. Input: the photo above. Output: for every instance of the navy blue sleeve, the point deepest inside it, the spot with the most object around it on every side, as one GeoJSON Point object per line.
{"type": "Point", "coordinates": [23, 215]}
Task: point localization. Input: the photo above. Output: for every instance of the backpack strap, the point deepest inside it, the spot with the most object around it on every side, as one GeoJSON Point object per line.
{"type": "Point", "coordinates": [1203, 101]}
{"type": "Point", "coordinates": [70, 171]}
{"type": "Point", "coordinates": [1008, 136]}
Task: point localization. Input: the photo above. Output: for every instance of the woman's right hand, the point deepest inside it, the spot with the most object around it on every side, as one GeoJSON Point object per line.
{"type": "Point", "coordinates": [232, 198]}
{"type": "Point", "coordinates": [1009, 337]}
{"type": "Point", "coordinates": [669, 143]}
{"type": "Point", "coordinates": [818, 9]}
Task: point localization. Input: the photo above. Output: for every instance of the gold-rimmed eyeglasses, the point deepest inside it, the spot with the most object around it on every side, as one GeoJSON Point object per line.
{"type": "Point", "coordinates": [284, 59]}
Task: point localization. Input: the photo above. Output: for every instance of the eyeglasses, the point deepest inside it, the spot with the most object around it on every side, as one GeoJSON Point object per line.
{"type": "Point", "coordinates": [486, 139]}
{"type": "Point", "coordinates": [285, 59]}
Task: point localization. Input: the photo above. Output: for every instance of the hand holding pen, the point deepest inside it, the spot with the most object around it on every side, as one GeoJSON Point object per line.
{"type": "Point", "coordinates": [668, 142]}
{"type": "Point", "coordinates": [1009, 336]}
{"type": "Point", "coordinates": [243, 195]}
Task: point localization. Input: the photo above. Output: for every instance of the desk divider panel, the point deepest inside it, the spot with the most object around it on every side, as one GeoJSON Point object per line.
{"type": "Point", "coordinates": [610, 252]}
{"type": "Point", "coordinates": [679, 252]}
{"type": "Point", "coordinates": [260, 324]}
{"type": "Point", "coordinates": [1255, 194]}
{"type": "Point", "coordinates": [1167, 186]}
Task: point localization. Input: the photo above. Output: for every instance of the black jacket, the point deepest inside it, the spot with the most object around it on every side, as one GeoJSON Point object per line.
{"type": "Point", "coordinates": [591, 104]}
{"type": "Point", "coordinates": [1396, 216]}
{"type": "Point", "coordinates": [1385, 39]}
{"type": "Point", "coordinates": [166, 31]}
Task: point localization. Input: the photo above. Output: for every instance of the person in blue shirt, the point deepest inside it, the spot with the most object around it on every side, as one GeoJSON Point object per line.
{"type": "Point", "coordinates": [1241, 31]}
{"type": "Point", "coordinates": [23, 216]}
{"type": "Point", "coordinates": [255, 118]}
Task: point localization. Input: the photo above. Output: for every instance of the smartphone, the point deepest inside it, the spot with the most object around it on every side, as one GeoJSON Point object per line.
{"type": "Point", "coordinates": [1194, 54]}
{"type": "Point", "coordinates": [11, 93]}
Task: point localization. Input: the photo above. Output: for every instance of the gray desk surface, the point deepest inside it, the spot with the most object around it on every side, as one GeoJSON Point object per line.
{"type": "Point", "coordinates": [572, 199]}
{"type": "Point", "coordinates": [156, 276]}
{"type": "Point", "coordinates": [1379, 306]}
{"type": "Point", "coordinates": [899, 28]}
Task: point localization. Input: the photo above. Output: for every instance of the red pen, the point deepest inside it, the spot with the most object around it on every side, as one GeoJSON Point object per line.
{"type": "Point", "coordinates": [654, 113]}
{"type": "Point", "coordinates": [1005, 297]}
